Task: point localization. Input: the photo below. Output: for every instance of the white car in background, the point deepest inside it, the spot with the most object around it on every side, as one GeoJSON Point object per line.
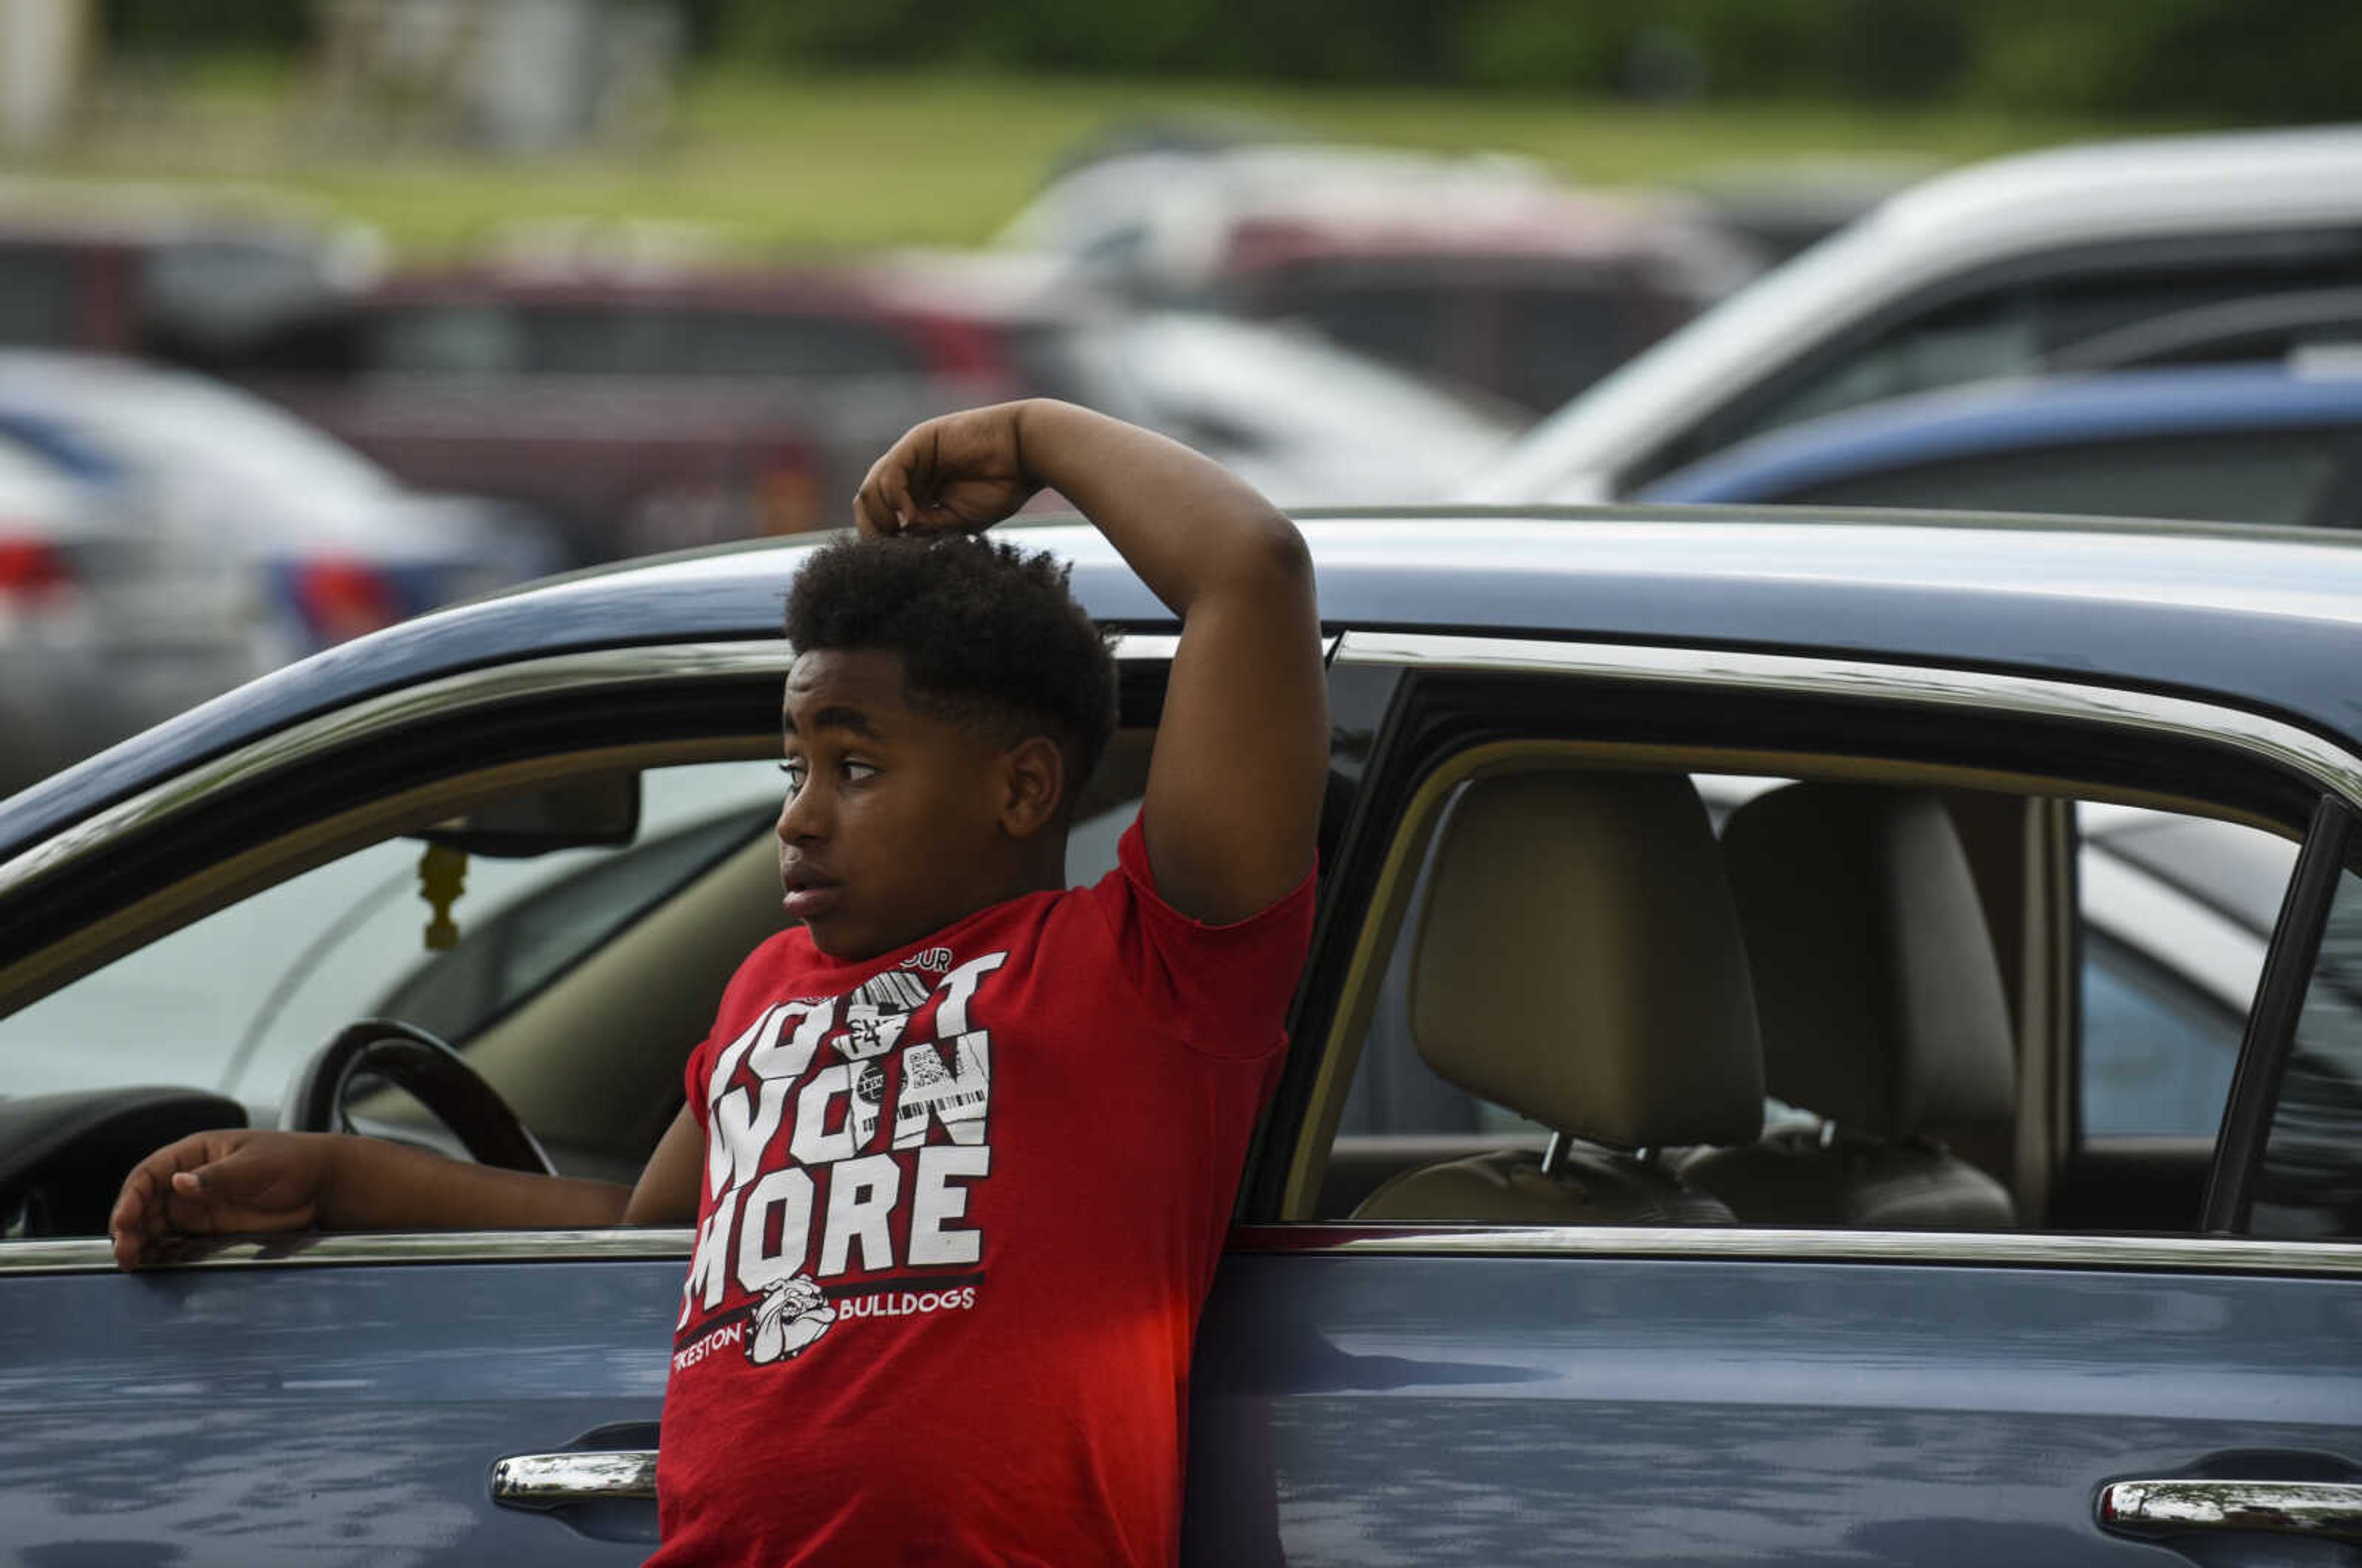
{"type": "Point", "coordinates": [1305, 422]}
{"type": "Point", "coordinates": [1999, 270]}
{"type": "Point", "coordinates": [327, 544]}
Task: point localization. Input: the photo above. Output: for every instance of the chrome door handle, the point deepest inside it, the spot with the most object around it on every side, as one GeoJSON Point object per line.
{"type": "Point", "coordinates": [545, 1481]}
{"type": "Point", "coordinates": [2331, 1511]}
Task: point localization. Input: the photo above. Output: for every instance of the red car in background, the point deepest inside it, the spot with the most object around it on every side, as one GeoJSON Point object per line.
{"type": "Point", "coordinates": [165, 274]}
{"type": "Point", "coordinates": [650, 407]}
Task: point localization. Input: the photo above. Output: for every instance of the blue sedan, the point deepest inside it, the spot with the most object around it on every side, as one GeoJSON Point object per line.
{"type": "Point", "coordinates": [2263, 443]}
{"type": "Point", "coordinates": [1646, 1184]}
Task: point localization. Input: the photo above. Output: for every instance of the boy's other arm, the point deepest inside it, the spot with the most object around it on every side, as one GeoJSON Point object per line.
{"type": "Point", "coordinates": [244, 1181]}
{"type": "Point", "coordinates": [1232, 812]}
{"type": "Point", "coordinates": [666, 1192]}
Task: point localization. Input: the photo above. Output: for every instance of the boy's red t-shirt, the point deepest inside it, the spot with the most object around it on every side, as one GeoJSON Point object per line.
{"type": "Point", "coordinates": [962, 1202]}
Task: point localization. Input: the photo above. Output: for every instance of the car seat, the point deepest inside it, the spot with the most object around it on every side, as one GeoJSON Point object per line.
{"type": "Point", "coordinates": [1578, 961]}
{"type": "Point", "coordinates": [1882, 1010]}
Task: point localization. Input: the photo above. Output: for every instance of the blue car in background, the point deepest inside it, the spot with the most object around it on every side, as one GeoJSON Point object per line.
{"type": "Point", "coordinates": [320, 544]}
{"type": "Point", "coordinates": [2242, 443]}
{"type": "Point", "coordinates": [1639, 1187]}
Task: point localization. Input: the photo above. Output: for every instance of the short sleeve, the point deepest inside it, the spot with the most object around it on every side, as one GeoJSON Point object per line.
{"type": "Point", "coordinates": [1223, 989]}
{"type": "Point", "coordinates": [729, 1016]}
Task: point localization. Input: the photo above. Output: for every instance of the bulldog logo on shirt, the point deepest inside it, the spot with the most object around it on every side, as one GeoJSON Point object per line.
{"type": "Point", "coordinates": [794, 1313]}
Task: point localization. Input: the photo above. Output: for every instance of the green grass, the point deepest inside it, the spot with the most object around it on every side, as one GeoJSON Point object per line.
{"type": "Point", "coordinates": [934, 160]}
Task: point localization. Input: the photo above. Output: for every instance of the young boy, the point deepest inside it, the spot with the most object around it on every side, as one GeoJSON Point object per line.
{"type": "Point", "coordinates": [962, 1145]}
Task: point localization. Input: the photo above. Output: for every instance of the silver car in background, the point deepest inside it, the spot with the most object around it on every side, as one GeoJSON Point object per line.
{"type": "Point", "coordinates": [192, 537]}
{"type": "Point", "coordinates": [106, 627]}
{"type": "Point", "coordinates": [1999, 269]}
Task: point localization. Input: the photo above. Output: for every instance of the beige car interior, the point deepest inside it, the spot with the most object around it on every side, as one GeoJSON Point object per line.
{"type": "Point", "coordinates": [1579, 961]}
{"type": "Point", "coordinates": [1883, 949]}
{"type": "Point", "coordinates": [1881, 1005]}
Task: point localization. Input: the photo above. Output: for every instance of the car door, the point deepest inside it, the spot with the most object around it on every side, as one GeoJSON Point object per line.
{"type": "Point", "coordinates": [347, 1398]}
{"type": "Point", "coordinates": [2046, 1392]}
{"type": "Point", "coordinates": [168, 963]}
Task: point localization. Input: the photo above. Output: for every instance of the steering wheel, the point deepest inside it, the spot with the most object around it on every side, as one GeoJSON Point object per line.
{"type": "Point", "coordinates": [413, 1060]}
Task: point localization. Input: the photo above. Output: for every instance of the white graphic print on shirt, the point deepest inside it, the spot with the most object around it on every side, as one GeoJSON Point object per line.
{"type": "Point", "coordinates": [825, 1205]}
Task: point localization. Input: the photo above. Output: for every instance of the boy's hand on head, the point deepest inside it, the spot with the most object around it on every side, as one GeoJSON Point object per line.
{"type": "Point", "coordinates": [961, 473]}
{"type": "Point", "coordinates": [237, 1179]}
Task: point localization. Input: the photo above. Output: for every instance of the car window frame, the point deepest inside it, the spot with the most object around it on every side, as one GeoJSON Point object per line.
{"type": "Point", "coordinates": [2303, 765]}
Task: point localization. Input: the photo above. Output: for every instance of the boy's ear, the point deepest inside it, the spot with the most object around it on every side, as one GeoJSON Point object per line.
{"type": "Point", "coordinates": [1033, 785]}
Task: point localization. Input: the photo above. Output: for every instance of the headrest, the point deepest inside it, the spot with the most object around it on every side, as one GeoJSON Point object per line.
{"type": "Point", "coordinates": [1579, 961]}
{"type": "Point", "coordinates": [1875, 982]}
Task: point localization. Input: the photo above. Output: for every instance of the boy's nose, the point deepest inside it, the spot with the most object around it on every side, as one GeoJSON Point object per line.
{"type": "Point", "coordinates": [800, 815]}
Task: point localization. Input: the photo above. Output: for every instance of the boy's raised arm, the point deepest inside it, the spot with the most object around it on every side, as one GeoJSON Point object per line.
{"type": "Point", "coordinates": [1234, 790]}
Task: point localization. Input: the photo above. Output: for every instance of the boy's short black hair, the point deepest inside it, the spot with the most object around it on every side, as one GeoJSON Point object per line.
{"type": "Point", "coordinates": [989, 633]}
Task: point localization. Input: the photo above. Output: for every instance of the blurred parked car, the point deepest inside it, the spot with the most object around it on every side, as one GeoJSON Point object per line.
{"type": "Point", "coordinates": [2305, 328]}
{"type": "Point", "coordinates": [1969, 1307]}
{"type": "Point", "coordinates": [669, 406]}
{"type": "Point", "coordinates": [2224, 444]}
{"type": "Point", "coordinates": [1485, 272]}
{"type": "Point", "coordinates": [1781, 206]}
{"type": "Point", "coordinates": [639, 409]}
{"type": "Point", "coordinates": [105, 628]}
{"type": "Point", "coordinates": [2001, 270]}
{"type": "Point", "coordinates": [331, 546]}
{"type": "Point", "coordinates": [131, 269]}
{"type": "Point", "coordinates": [1305, 422]}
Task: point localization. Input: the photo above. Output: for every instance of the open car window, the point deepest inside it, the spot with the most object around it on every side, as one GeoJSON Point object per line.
{"type": "Point", "coordinates": [232, 1002]}
{"type": "Point", "coordinates": [574, 964]}
{"type": "Point", "coordinates": [1871, 978]}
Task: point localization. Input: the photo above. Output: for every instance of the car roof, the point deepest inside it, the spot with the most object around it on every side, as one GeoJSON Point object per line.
{"type": "Point", "coordinates": [2269, 619]}
{"type": "Point", "coordinates": [2009, 416]}
{"type": "Point", "coordinates": [1955, 224]}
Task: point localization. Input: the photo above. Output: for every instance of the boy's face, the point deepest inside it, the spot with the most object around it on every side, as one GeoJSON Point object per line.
{"type": "Point", "coordinates": [892, 827]}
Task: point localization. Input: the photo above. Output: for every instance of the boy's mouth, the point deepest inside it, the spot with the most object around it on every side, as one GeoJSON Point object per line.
{"type": "Point", "coordinates": [807, 892]}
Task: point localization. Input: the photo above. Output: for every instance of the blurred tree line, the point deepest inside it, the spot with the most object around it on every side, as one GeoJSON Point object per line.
{"type": "Point", "coordinates": [2259, 60]}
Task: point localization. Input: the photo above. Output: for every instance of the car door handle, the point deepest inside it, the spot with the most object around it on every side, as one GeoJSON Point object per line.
{"type": "Point", "coordinates": [545, 1481]}
{"type": "Point", "coordinates": [2330, 1510]}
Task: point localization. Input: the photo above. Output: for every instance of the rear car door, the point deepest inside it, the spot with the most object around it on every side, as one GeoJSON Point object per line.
{"type": "Point", "coordinates": [2080, 1388]}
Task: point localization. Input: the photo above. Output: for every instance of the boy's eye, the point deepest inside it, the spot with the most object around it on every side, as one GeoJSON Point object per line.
{"type": "Point", "coordinates": [857, 771]}
{"type": "Point", "coordinates": [794, 769]}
